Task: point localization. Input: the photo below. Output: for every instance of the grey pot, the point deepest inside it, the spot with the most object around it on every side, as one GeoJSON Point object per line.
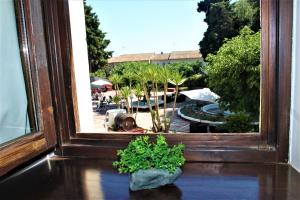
{"type": "Point", "coordinates": [152, 178]}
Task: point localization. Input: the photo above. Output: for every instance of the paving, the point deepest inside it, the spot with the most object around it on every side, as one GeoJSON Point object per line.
{"type": "Point", "coordinates": [143, 119]}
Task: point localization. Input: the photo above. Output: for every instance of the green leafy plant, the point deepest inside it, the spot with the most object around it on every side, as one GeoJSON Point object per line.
{"type": "Point", "coordinates": [125, 93]}
{"type": "Point", "coordinates": [96, 41]}
{"type": "Point", "coordinates": [238, 123]}
{"type": "Point", "coordinates": [99, 73]}
{"type": "Point", "coordinates": [234, 73]}
{"type": "Point", "coordinates": [143, 154]}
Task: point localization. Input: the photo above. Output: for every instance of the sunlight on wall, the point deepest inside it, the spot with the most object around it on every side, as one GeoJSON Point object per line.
{"type": "Point", "coordinates": [81, 66]}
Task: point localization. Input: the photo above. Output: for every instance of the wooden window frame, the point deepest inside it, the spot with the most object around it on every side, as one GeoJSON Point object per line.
{"type": "Point", "coordinates": [270, 145]}
{"type": "Point", "coordinates": [35, 67]}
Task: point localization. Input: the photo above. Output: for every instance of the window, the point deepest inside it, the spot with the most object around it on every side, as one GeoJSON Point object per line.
{"type": "Point", "coordinates": [269, 145]}
{"type": "Point", "coordinates": [26, 114]}
{"type": "Point", "coordinates": [14, 112]}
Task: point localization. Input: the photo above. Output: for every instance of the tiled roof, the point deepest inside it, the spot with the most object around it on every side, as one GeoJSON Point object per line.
{"type": "Point", "coordinates": [162, 56]}
{"type": "Point", "coordinates": [131, 58]}
{"type": "Point", "coordinates": [174, 55]}
{"type": "Point", "coordinates": [185, 55]}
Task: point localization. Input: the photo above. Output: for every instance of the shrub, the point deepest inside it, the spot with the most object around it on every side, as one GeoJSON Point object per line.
{"type": "Point", "coordinates": [196, 81]}
{"type": "Point", "coordinates": [143, 154]}
{"type": "Point", "coordinates": [99, 73]}
{"type": "Point", "coordinates": [234, 73]}
{"type": "Point", "coordinates": [237, 123]}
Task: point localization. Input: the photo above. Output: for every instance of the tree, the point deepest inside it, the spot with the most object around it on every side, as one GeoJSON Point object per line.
{"type": "Point", "coordinates": [165, 75]}
{"type": "Point", "coordinates": [187, 68]}
{"type": "Point", "coordinates": [234, 73]}
{"type": "Point", "coordinates": [99, 73]}
{"type": "Point", "coordinates": [225, 20]}
{"type": "Point", "coordinates": [96, 41]}
{"type": "Point", "coordinates": [247, 13]}
{"type": "Point", "coordinates": [125, 94]}
{"type": "Point", "coordinates": [177, 79]}
{"type": "Point", "coordinates": [116, 81]}
{"type": "Point", "coordinates": [138, 91]}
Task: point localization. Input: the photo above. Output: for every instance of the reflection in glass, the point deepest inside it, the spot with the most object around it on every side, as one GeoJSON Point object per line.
{"type": "Point", "coordinates": [14, 119]}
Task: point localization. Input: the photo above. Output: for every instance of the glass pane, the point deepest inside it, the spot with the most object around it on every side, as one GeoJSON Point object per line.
{"type": "Point", "coordinates": [14, 117]}
{"type": "Point", "coordinates": [171, 66]}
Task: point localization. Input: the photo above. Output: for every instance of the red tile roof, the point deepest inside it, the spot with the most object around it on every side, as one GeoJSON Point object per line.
{"type": "Point", "coordinates": [174, 55]}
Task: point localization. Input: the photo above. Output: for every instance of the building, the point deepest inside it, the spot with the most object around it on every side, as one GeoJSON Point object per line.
{"type": "Point", "coordinates": [160, 59]}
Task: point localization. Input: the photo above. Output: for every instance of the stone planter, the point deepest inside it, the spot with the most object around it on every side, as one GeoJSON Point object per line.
{"type": "Point", "coordinates": [152, 178]}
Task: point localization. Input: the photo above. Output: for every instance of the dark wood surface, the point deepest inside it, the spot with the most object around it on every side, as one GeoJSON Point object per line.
{"type": "Point", "coordinates": [269, 146]}
{"type": "Point", "coordinates": [74, 178]}
{"type": "Point", "coordinates": [284, 75]}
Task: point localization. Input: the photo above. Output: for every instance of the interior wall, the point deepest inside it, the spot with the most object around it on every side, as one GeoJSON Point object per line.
{"type": "Point", "coordinates": [14, 120]}
{"type": "Point", "coordinates": [81, 65]}
{"type": "Point", "coordinates": [294, 157]}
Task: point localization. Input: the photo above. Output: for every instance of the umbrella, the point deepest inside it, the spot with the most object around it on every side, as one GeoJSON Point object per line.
{"type": "Point", "coordinates": [100, 83]}
{"type": "Point", "coordinates": [204, 94]}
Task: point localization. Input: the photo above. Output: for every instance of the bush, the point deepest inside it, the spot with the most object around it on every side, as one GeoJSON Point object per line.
{"type": "Point", "coordinates": [234, 73]}
{"type": "Point", "coordinates": [99, 73]}
{"type": "Point", "coordinates": [196, 81]}
{"type": "Point", "coordinates": [187, 69]}
{"type": "Point", "coordinates": [238, 123]}
{"type": "Point", "coordinates": [142, 154]}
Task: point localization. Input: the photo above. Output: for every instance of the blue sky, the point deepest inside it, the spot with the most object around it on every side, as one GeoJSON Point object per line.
{"type": "Point", "coordinates": [141, 26]}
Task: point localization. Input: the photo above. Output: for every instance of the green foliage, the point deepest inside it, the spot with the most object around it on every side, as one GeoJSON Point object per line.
{"type": "Point", "coordinates": [138, 91]}
{"type": "Point", "coordinates": [187, 69]}
{"type": "Point", "coordinates": [237, 123]}
{"type": "Point", "coordinates": [99, 73]}
{"type": "Point", "coordinates": [95, 40]}
{"type": "Point", "coordinates": [177, 78]}
{"type": "Point", "coordinates": [143, 154]}
{"type": "Point", "coordinates": [127, 71]}
{"type": "Point", "coordinates": [196, 81]}
{"type": "Point", "coordinates": [125, 93]}
{"type": "Point", "coordinates": [234, 73]}
{"type": "Point", "coordinates": [116, 79]}
{"type": "Point", "coordinates": [225, 20]}
{"type": "Point", "coordinates": [116, 99]}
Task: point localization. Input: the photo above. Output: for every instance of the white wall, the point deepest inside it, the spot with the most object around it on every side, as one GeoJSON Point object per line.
{"type": "Point", "coordinates": [81, 65]}
{"type": "Point", "coordinates": [294, 157]}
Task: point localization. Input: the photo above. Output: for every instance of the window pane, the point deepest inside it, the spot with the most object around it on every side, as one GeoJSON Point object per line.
{"type": "Point", "coordinates": [14, 117]}
{"type": "Point", "coordinates": [189, 67]}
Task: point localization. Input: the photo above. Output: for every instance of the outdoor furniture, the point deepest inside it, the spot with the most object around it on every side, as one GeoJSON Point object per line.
{"type": "Point", "coordinates": [102, 105]}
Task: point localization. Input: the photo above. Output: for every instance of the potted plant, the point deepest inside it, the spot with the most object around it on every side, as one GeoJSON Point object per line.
{"type": "Point", "coordinates": [150, 164]}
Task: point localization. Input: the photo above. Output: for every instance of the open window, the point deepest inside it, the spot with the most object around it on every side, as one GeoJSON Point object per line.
{"type": "Point", "coordinates": [269, 144]}
{"type": "Point", "coordinates": [26, 115]}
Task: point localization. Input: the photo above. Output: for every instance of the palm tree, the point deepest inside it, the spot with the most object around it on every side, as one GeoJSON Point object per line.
{"type": "Point", "coordinates": [116, 99]}
{"type": "Point", "coordinates": [142, 76]}
{"type": "Point", "coordinates": [130, 76]}
{"type": "Point", "coordinates": [125, 93]}
{"type": "Point", "coordinates": [138, 91]}
{"type": "Point", "coordinates": [116, 79]}
{"type": "Point", "coordinates": [153, 72]}
{"type": "Point", "coordinates": [165, 75]}
{"type": "Point", "coordinates": [176, 79]}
